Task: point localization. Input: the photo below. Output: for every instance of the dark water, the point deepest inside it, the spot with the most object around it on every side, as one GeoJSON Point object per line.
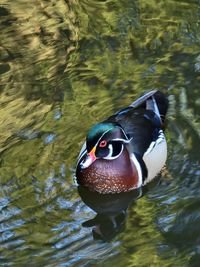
{"type": "Point", "coordinates": [65, 65]}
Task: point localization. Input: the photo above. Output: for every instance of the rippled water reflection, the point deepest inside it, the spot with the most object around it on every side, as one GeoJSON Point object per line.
{"type": "Point", "coordinates": [65, 65]}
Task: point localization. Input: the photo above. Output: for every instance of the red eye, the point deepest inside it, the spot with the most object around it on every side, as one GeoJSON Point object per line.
{"type": "Point", "coordinates": [103, 143]}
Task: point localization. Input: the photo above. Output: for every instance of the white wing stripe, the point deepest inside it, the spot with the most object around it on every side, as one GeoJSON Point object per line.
{"type": "Point", "coordinates": [160, 138]}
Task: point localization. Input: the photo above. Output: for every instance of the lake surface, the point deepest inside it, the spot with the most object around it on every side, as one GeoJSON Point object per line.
{"type": "Point", "coordinates": [65, 65]}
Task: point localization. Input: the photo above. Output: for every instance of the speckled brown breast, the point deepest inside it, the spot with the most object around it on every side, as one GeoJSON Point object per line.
{"type": "Point", "coordinates": [109, 176]}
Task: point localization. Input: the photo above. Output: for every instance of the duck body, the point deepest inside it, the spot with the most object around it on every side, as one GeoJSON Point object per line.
{"type": "Point", "coordinates": [127, 150]}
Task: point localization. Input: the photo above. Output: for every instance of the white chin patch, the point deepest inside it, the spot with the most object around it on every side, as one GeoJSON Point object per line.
{"type": "Point", "coordinates": [86, 163]}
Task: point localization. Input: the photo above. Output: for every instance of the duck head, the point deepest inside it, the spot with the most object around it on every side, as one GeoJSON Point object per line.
{"type": "Point", "coordinates": [105, 163]}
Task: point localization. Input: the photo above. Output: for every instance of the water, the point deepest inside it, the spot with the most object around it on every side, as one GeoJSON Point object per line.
{"type": "Point", "coordinates": [65, 65]}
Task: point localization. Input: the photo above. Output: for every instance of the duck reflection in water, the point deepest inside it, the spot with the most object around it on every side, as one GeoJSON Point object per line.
{"type": "Point", "coordinates": [111, 210]}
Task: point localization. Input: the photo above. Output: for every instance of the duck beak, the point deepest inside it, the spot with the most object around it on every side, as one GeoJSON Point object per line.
{"type": "Point", "coordinates": [90, 158]}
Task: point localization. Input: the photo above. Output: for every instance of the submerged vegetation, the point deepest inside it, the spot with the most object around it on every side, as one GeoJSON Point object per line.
{"type": "Point", "coordinates": [64, 65]}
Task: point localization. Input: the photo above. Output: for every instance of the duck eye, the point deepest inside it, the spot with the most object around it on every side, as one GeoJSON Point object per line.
{"type": "Point", "coordinates": [103, 143]}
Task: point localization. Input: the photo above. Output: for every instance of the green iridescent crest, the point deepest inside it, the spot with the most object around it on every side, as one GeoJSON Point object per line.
{"type": "Point", "coordinates": [98, 129]}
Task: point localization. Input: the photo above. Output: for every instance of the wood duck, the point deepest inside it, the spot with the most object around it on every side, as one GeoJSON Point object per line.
{"type": "Point", "coordinates": [127, 150]}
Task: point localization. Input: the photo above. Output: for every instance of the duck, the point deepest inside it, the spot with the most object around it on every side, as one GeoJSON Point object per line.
{"type": "Point", "coordinates": [128, 149]}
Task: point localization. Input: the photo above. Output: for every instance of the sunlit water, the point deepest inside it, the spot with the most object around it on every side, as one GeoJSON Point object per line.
{"type": "Point", "coordinates": [65, 65]}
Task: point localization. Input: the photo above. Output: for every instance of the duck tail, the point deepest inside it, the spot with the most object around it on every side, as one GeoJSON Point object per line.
{"type": "Point", "coordinates": [154, 100]}
{"type": "Point", "coordinates": [162, 104]}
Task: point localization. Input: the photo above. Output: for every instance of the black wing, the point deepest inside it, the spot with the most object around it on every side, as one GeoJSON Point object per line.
{"type": "Point", "coordinates": [142, 120]}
